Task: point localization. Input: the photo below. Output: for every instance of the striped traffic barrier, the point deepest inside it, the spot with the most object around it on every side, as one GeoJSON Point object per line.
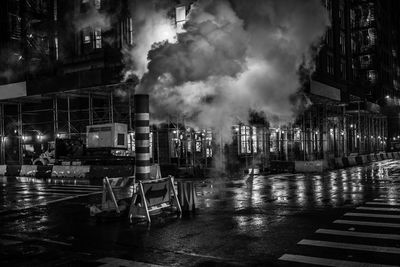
{"type": "Point", "coordinates": [352, 161]}
{"type": "Point", "coordinates": [339, 163]}
{"type": "Point", "coordinates": [142, 134]}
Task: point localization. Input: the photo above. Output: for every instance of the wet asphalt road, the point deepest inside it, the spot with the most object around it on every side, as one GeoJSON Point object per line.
{"type": "Point", "coordinates": [341, 218]}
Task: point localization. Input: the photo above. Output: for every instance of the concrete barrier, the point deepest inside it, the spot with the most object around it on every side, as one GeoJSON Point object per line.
{"type": "Point", "coordinates": [60, 171]}
{"type": "Point", "coordinates": [352, 161]}
{"type": "Point", "coordinates": [13, 170]}
{"type": "Point", "coordinates": [389, 155]}
{"type": "Point", "coordinates": [397, 155]}
{"type": "Point", "coordinates": [364, 159]}
{"type": "Point", "coordinates": [339, 163]}
{"type": "Point", "coordinates": [371, 157]}
{"type": "Point", "coordinates": [309, 166]}
{"type": "Point", "coordinates": [44, 171]}
{"type": "Point", "coordinates": [28, 170]}
{"type": "Point", "coordinates": [97, 171]}
{"type": "Point", "coordinates": [3, 170]}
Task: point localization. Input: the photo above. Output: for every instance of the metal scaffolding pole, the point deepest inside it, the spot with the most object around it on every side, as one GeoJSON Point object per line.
{"type": "Point", "coordinates": [90, 99]}
{"type": "Point", "coordinates": [111, 107]}
{"type": "Point", "coordinates": [358, 132]}
{"type": "Point", "coordinates": [130, 115]}
{"type": "Point", "coordinates": [69, 116]}
{"type": "Point", "coordinates": [20, 148]}
{"type": "Point", "coordinates": [2, 146]}
{"type": "Point", "coordinates": [55, 116]}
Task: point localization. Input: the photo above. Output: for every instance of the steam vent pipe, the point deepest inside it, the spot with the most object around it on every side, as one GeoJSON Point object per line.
{"type": "Point", "coordinates": [142, 136]}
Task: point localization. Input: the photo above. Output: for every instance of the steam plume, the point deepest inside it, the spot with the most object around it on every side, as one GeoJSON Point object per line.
{"type": "Point", "coordinates": [233, 57]}
{"type": "Point", "coordinates": [92, 18]}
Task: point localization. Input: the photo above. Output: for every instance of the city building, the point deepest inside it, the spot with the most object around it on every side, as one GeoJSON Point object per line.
{"type": "Point", "coordinates": [63, 72]}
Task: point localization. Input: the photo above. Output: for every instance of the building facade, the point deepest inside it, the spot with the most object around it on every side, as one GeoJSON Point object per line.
{"type": "Point", "coordinates": [65, 71]}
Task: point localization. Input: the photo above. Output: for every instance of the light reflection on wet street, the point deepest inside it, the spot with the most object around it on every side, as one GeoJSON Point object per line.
{"type": "Point", "coordinates": [337, 188]}
{"type": "Point", "coordinates": [21, 192]}
{"type": "Point", "coordinates": [241, 220]}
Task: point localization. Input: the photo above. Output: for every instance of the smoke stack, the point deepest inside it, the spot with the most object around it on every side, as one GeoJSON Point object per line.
{"type": "Point", "coordinates": [142, 134]}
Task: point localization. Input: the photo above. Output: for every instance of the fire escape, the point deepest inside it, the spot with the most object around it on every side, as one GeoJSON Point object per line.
{"type": "Point", "coordinates": [363, 44]}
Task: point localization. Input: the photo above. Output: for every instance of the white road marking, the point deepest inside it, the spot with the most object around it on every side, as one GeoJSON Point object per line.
{"type": "Point", "coordinates": [124, 263]}
{"type": "Point", "coordinates": [377, 224]}
{"type": "Point", "coordinates": [382, 204]}
{"type": "Point", "coordinates": [328, 262]}
{"type": "Point", "coordinates": [377, 209]}
{"type": "Point", "coordinates": [358, 234]}
{"type": "Point", "coordinates": [342, 245]}
{"type": "Point", "coordinates": [372, 215]}
{"type": "Point", "coordinates": [26, 237]}
{"type": "Point", "coordinates": [45, 203]}
{"type": "Point", "coordinates": [7, 242]}
{"type": "Point", "coordinates": [384, 199]}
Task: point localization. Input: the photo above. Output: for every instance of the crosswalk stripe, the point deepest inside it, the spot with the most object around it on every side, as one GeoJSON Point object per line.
{"type": "Point", "coordinates": [378, 224]}
{"type": "Point", "coordinates": [358, 234]}
{"type": "Point", "coordinates": [372, 215]}
{"type": "Point", "coordinates": [328, 262]}
{"type": "Point", "coordinates": [384, 199]}
{"type": "Point", "coordinates": [377, 209]}
{"type": "Point", "coordinates": [352, 246]}
{"type": "Point", "coordinates": [61, 190]}
{"type": "Point", "coordinates": [124, 263]}
{"type": "Point", "coordinates": [383, 204]}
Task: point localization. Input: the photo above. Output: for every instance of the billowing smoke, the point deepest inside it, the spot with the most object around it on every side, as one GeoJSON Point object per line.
{"type": "Point", "coordinates": [233, 57]}
{"type": "Point", "coordinates": [93, 18]}
{"type": "Point", "coordinates": [154, 26]}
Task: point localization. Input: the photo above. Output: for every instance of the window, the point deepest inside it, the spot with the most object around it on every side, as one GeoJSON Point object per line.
{"type": "Point", "coordinates": [342, 41]}
{"type": "Point", "coordinates": [121, 139]}
{"type": "Point", "coordinates": [97, 4]}
{"type": "Point", "coordinates": [371, 76]}
{"type": "Point", "coordinates": [329, 38]}
{"type": "Point", "coordinates": [84, 5]}
{"type": "Point", "coordinates": [97, 38]}
{"type": "Point", "coordinates": [86, 36]}
{"type": "Point", "coordinates": [342, 18]}
{"type": "Point", "coordinates": [14, 26]}
{"type": "Point", "coordinates": [329, 64]}
{"type": "Point", "coordinates": [180, 18]}
{"type": "Point", "coordinates": [343, 69]}
{"type": "Point", "coordinates": [56, 46]}
{"type": "Point", "coordinates": [127, 31]}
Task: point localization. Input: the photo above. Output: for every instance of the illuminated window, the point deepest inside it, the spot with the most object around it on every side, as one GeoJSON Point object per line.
{"type": "Point", "coordinates": [180, 18]}
{"type": "Point", "coordinates": [97, 4]}
{"type": "Point", "coordinates": [97, 37]}
{"type": "Point", "coordinates": [86, 35]}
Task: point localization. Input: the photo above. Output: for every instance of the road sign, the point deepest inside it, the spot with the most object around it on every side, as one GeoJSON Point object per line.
{"type": "Point", "coordinates": [153, 195]}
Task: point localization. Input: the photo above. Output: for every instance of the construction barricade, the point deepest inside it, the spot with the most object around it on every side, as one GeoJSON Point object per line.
{"type": "Point", "coordinates": [117, 193]}
{"type": "Point", "coordinates": [187, 195]}
{"type": "Point", "coordinates": [152, 196]}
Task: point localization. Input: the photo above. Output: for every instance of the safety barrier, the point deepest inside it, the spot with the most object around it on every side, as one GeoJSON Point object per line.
{"type": "Point", "coordinates": [3, 170]}
{"type": "Point", "coordinates": [28, 170]}
{"type": "Point", "coordinates": [339, 163]}
{"type": "Point", "coordinates": [152, 196]}
{"type": "Point", "coordinates": [115, 197]}
{"type": "Point", "coordinates": [187, 195]}
{"type": "Point", "coordinates": [343, 162]}
{"type": "Point", "coordinates": [352, 161]}
{"type": "Point", "coordinates": [59, 171]}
